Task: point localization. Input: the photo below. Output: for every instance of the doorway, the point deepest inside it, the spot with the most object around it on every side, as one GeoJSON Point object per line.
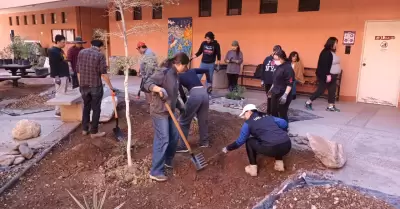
{"type": "Point", "coordinates": [379, 77]}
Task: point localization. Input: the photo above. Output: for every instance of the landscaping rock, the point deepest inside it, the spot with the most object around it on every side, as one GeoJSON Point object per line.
{"type": "Point", "coordinates": [26, 129]}
{"type": "Point", "coordinates": [26, 151]}
{"type": "Point", "coordinates": [7, 160]}
{"type": "Point", "coordinates": [330, 153]}
{"type": "Point", "coordinates": [13, 152]}
{"type": "Point", "coordinates": [18, 160]}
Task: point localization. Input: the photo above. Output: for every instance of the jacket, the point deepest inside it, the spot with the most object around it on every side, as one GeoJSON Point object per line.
{"type": "Point", "coordinates": [230, 58]}
{"type": "Point", "coordinates": [282, 78]}
{"type": "Point", "coordinates": [211, 52]}
{"type": "Point", "coordinates": [298, 69]}
{"type": "Point", "coordinates": [268, 70]}
{"type": "Point", "coordinates": [324, 64]}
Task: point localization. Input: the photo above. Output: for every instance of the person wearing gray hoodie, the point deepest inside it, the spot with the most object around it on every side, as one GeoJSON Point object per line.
{"type": "Point", "coordinates": [164, 86]}
{"type": "Point", "coordinates": [234, 59]}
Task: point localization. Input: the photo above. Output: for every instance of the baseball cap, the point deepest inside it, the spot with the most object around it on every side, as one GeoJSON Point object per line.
{"type": "Point", "coordinates": [235, 43]}
{"type": "Point", "coordinates": [247, 108]}
{"type": "Point", "coordinates": [140, 44]}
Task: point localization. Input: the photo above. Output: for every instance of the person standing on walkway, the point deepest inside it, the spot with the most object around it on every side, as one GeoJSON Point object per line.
{"type": "Point", "coordinates": [268, 67]}
{"type": "Point", "coordinates": [282, 83]}
{"type": "Point", "coordinates": [264, 135]}
{"type": "Point", "coordinates": [59, 69]}
{"type": "Point", "coordinates": [328, 70]}
{"type": "Point", "coordinates": [73, 57]}
{"type": "Point", "coordinates": [298, 69]}
{"type": "Point", "coordinates": [234, 59]}
{"type": "Point", "coordinates": [211, 51]}
{"type": "Point", "coordinates": [148, 64]}
{"type": "Point", "coordinates": [91, 68]}
{"type": "Point", "coordinates": [164, 84]}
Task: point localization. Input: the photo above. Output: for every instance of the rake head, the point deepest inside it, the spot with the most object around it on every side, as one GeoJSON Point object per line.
{"type": "Point", "coordinates": [199, 161]}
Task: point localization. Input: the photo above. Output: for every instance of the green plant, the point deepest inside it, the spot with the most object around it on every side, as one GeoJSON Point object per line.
{"type": "Point", "coordinates": [17, 47]}
{"type": "Point", "coordinates": [96, 203]}
{"type": "Point", "coordinates": [236, 94]}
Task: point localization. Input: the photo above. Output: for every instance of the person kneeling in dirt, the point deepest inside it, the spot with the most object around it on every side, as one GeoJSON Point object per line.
{"type": "Point", "coordinates": [164, 85]}
{"type": "Point", "coordinates": [262, 134]}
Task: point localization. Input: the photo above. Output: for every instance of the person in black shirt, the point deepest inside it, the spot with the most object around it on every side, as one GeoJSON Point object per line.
{"type": "Point", "coordinates": [211, 51]}
{"type": "Point", "coordinates": [281, 87]}
{"type": "Point", "coordinates": [268, 69]}
{"type": "Point", "coordinates": [59, 69]}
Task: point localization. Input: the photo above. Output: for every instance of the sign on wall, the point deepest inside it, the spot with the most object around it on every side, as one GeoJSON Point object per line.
{"type": "Point", "coordinates": [349, 38]}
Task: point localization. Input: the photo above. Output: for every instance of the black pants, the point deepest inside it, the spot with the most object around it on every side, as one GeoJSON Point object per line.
{"type": "Point", "coordinates": [322, 85]}
{"type": "Point", "coordinates": [253, 147]}
{"type": "Point", "coordinates": [280, 110]}
{"type": "Point", "coordinates": [267, 87]}
{"type": "Point", "coordinates": [92, 97]}
{"type": "Point", "coordinates": [75, 81]}
{"type": "Point", "coordinates": [232, 80]}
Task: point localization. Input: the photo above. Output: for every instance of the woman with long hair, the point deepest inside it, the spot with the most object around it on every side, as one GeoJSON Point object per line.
{"type": "Point", "coordinates": [234, 59]}
{"type": "Point", "coordinates": [298, 69]}
{"type": "Point", "coordinates": [328, 70]}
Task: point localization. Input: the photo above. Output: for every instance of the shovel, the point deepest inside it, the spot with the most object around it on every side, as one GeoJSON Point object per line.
{"type": "Point", "coordinates": [198, 159]}
{"type": "Point", "coordinates": [117, 131]}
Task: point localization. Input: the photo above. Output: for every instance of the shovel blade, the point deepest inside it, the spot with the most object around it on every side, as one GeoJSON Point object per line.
{"type": "Point", "coordinates": [118, 134]}
{"type": "Point", "coordinates": [199, 161]}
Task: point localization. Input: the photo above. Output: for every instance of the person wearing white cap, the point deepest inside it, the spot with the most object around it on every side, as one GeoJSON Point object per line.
{"type": "Point", "coordinates": [262, 134]}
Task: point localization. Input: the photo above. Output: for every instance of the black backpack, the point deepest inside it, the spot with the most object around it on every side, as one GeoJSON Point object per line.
{"type": "Point", "coordinates": [258, 72]}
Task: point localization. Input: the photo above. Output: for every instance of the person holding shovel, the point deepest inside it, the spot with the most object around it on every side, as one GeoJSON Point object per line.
{"type": "Point", "coordinates": [164, 85]}
{"type": "Point", "coordinates": [148, 64]}
{"type": "Point", "coordinates": [264, 135]}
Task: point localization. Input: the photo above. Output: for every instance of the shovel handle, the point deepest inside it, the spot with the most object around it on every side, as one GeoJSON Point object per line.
{"type": "Point", "coordinates": [178, 127]}
{"type": "Point", "coordinates": [115, 105]}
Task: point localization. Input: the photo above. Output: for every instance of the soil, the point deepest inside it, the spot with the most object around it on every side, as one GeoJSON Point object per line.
{"type": "Point", "coordinates": [81, 164]}
{"type": "Point", "coordinates": [7, 91]}
{"type": "Point", "coordinates": [32, 101]}
{"type": "Point", "coordinates": [328, 197]}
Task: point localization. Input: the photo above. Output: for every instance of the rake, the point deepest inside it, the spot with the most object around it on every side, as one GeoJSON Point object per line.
{"type": "Point", "coordinates": [198, 159]}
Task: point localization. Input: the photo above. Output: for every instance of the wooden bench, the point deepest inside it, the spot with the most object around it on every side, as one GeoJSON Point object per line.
{"type": "Point", "coordinates": [10, 77]}
{"type": "Point", "coordinates": [248, 73]}
{"type": "Point", "coordinates": [70, 104]}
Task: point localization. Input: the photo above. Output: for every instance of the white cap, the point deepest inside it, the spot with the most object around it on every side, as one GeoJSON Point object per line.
{"type": "Point", "coordinates": [247, 108]}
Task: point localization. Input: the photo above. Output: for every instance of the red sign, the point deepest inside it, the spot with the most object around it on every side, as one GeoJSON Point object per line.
{"type": "Point", "coordinates": [384, 37]}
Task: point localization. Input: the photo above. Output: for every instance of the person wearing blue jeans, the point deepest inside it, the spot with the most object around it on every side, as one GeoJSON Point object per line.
{"type": "Point", "coordinates": [211, 51]}
{"type": "Point", "coordinates": [164, 85]}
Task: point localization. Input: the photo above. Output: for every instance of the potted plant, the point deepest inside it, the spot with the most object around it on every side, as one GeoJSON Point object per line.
{"type": "Point", "coordinates": [235, 98]}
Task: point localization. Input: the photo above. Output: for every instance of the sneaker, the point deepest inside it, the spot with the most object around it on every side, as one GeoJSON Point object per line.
{"type": "Point", "coordinates": [57, 115]}
{"type": "Point", "coordinates": [97, 135]}
{"type": "Point", "coordinates": [251, 170]}
{"type": "Point", "coordinates": [85, 133]}
{"type": "Point", "coordinates": [332, 109]}
{"type": "Point", "coordinates": [159, 178]}
{"type": "Point", "coordinates": [205, 145]}
{"type": "Point", "coordinates": [279, 166]}
{"type": "Point", "coordinates": [168, 166]}
{"type": "Point", "coordinates": [308, 106]}
{"type": "Point", "coordinates": [182, 150]}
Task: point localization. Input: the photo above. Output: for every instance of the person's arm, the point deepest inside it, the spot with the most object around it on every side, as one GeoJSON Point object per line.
{"type": "Point", "coordinates": [240, 59]}
{"type": "Point", "coordinates": [325, 62]}
{"type": "Point", "coordinates": [54, 62]}
{"type": "Point", "coordinates": [78, 62]}
{"type": "Point", "coordinates": [227, 58]}
{"type": "Point", "coordinates": [288, 76]}
{"type": "Point", "coordinates": [218, 52]}
{"type": "Point", "coordinates": [204, 71]}
{"type": "Point", "coordinates": [103, 71]}
{"type": "Point", "coordinates": [281, 123]}
{"type": "Point", "coordinates": [200, 51]}
{"type": "Point", "coordinates": [153, 82]}
{"type": "Point", "coordinates": [69, 54]}
{"type": "Point", "coordinates": [244, 135]}
{"type": "Point", "coordinates": [182, 93]}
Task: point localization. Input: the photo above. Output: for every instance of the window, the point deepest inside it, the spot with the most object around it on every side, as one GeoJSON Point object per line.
{"type": "Point", "coordinates": [17, 20]}
{"type": "Point", "coordinates": [157, 11]}
{"type": "Point", "coordinates": [63, 17]}
{"type": "Point", "coordinates": [234, 7]}
{"type": "Point", "coordinates": [268, 6]}
{"type": "Point", "coordinates": [309, 5]}
{"type": "Point", "coordinates": [53, 18]}
{"type": "Point", "coordinates": [34, 20]}
{"type": "Point", "coordinates": [43, 17]}
{"type": "Point", "coordinates": [137, 13]}
{"type": "Point", "coordinates": [10, 20]}
{"type": "Point", "coordinates": [25, 20]}
{"type": "Point", "coordinates": [118, 16]}
{"type": "Point", "coordinates": [204, 8]}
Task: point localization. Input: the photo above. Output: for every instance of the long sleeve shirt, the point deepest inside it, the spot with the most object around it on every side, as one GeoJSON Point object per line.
{"type": "Point", "coordinates": [283, 77]}
{"type": "Point", "coordinates": [148, 63]}
{"type": "Point", "coordinates": [210, 51]}
{"type": "Point", "coordinates": [58, 66]}
{"type": "Point", "coordinates": [189, 80]}
{"type": "Point", "coordinates": [72, 56]}
{"type": "Point", "coordinates": [234, 61]}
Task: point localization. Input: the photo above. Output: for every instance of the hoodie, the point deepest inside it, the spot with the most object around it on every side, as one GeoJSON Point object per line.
{"type": "Point", "coordinates": [268, 68]}
{"type": "Point", "coordinates": [211, 52]}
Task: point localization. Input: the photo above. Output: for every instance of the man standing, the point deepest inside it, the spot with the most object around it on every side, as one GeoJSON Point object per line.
{"type": "Point", "coordinates": [268, 69]}
{"type": "Point", "coordinates": [91, 68]}
{"type": "Point", "coordinates": [59, 69]}
{"type": "Point", "coordinates": [73, 57]}
{"type": "Point", "coordinates": [148, 64]}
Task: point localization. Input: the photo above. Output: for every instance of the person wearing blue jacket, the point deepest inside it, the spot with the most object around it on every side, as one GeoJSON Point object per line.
{"type": "Point", "coordinates": [262, 134]}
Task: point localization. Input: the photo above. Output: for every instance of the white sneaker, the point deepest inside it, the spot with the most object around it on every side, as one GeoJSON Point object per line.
{"type": "Point", "coordinates": [279, 166]}
{"type": "Point", "coordinates": [251, 170]}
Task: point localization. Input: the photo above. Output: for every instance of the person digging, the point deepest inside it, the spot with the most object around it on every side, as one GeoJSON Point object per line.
{"type": "Point", "coordinates": [262, 134]}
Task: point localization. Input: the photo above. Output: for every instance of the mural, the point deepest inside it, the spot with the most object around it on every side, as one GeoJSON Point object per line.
{"type": "Point", "coordinates": [180, 36]}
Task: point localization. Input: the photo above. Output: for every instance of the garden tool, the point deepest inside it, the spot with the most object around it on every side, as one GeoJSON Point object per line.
{"type": "Point", "coordinates": [198, 159]}
{"type": "Point", "coordinates": [140, 88]}
{"type": "Point", "coordinates": [117, 131]}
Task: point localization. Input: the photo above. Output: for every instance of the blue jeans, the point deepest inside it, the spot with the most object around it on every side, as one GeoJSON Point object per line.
{"type": "Point", "coordinates": [210, 67]}
{"type": "Point", "coordinates": [164, 144]}
{"type": "Point", "coordinates": [294, 87]}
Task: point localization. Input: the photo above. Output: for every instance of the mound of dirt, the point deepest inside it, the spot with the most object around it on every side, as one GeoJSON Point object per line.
{"type": "Point", "coordinates": [32, 101]}
{"type": "Point", "coordinates": [325, 197]}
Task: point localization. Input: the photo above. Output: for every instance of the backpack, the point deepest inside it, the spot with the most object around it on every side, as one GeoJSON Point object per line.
{"type": "Point", "coordinates": [258, 72]}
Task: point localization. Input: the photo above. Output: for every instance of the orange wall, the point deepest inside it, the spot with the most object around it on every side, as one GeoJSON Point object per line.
{"type": "Point", "coordinates": [304, 32]}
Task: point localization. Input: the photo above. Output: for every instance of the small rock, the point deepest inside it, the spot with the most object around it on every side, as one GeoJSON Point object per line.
{"type": "Point", "coordinates": [13, 152]}
{"type": "Point", "coordinates": [18, 160]}
{"type": "Point", "coordinates": [336, 200]}
{"type": "Point", "coordinates": [26, 129]}
{"type": "Point", "coordinates": [26, 151]}
{"type": "Point", "coordinates": [7, 160]}
{"type": "Point", "coordinates": [313, 207]}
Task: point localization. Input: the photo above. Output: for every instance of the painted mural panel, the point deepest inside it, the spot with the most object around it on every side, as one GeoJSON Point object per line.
{"type": "Point", "coordinates": [180, 36]}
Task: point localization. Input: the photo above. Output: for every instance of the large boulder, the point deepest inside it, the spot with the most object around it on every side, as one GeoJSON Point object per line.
{"type": "Point", "coordinates": [330, 153]}
{"type": "Point", "coordinates": [26, 129]}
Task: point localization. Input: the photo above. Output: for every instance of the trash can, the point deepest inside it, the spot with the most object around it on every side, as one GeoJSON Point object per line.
{"type": "Point", "coordinates": [220, 80]}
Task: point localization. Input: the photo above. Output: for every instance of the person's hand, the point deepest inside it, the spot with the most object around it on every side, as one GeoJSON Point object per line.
{"type": "Point", "coordinates": [328, 78]}
{"type": "Point", "coordinates": [218, 62]}
{"type": "Point", "coordinates": [114, 90]}
{"type": "Point", "coordinates": [163, 94]}
{"type": "Point", "coordinates": [283, 99]}
{"type": "Point", "coordinates": [57, 80]}
{"type": "Point", "coordinates": [262, 83]}
{"type": "Point", "coordinates": [227, 61]}
{"type": "Point", "coordinates": [225, 150]}
{"type": "Point", "coordinates": [182, 110]}
{"type": "Point", "coordinates": [269, 94]}
{"type": "Point", "coordinates": [194, 57]}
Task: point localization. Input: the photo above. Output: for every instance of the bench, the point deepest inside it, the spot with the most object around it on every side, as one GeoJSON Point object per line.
{"type": "Point", "coordinates": [10, 77]}
{"type": "Point", "coordinates": [248, 73]}
{"type": "Point", "coordinates": [70, 104]}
